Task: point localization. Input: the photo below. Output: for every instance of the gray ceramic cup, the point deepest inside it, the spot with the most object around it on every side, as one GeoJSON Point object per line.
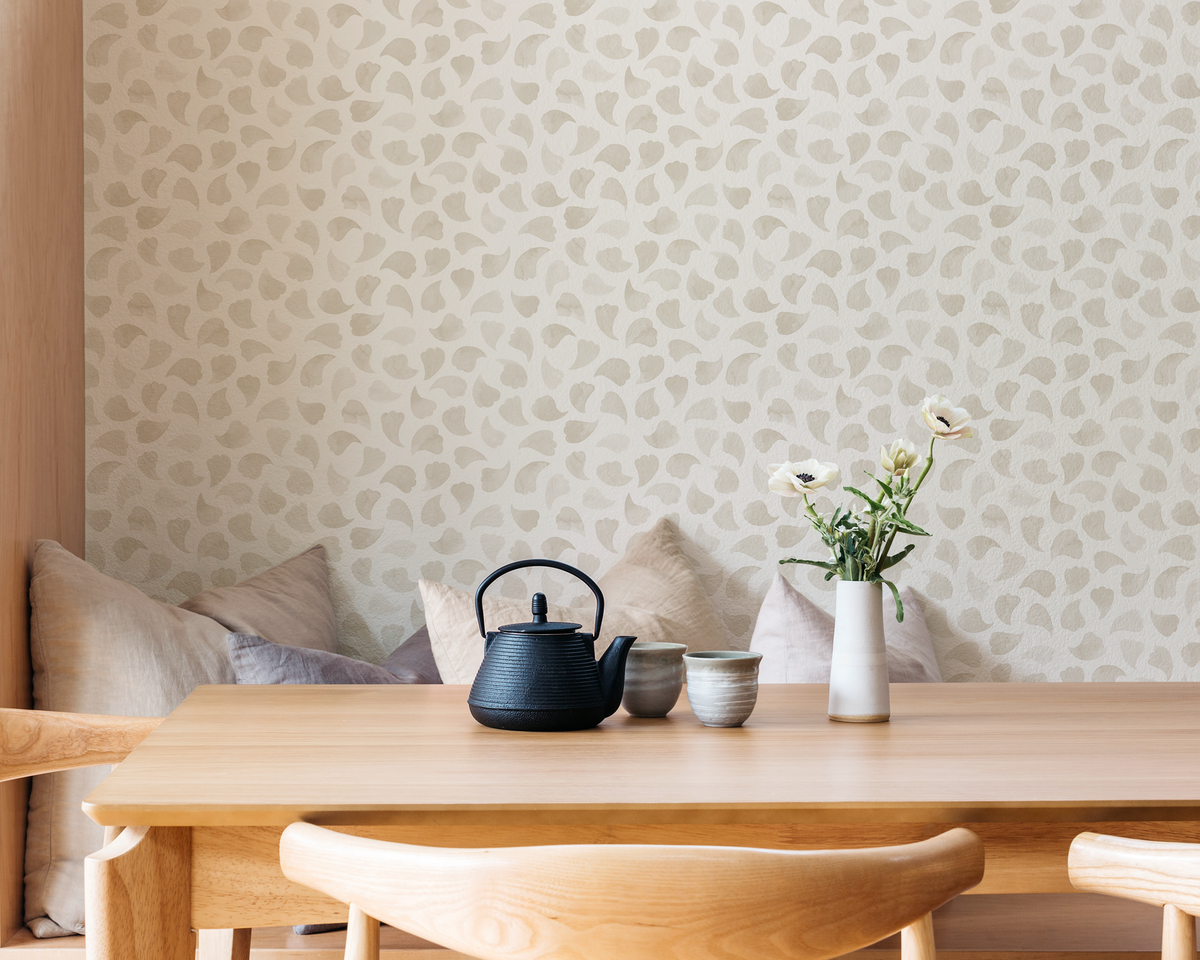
{"type": "Point", "coordinates": [722, 685]}
{"type": "Point", "coordinates": [653, 678]}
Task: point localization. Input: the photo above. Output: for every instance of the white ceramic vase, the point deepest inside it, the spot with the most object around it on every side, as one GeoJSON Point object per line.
{"type": "Point", "coordinates": [858, 672]}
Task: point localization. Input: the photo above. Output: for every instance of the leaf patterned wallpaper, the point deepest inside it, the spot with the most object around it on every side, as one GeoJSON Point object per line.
{"type": "Point", "coordinates": [442, 284]}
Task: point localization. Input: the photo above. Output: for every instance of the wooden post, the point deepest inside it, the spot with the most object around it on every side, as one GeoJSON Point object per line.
{"type": "Point", "coordinates": [1179, 934]}
{"type": "Point", "coordinates": [138, 896]}
{"type": "Point", "coordinates": [362, 936]}
{"type": "Point", "coordinates": [225, 944]}
{"type": "Point", "coordinates": [41, 346]}
{"type": "Point", "coordinates": [916, 940]}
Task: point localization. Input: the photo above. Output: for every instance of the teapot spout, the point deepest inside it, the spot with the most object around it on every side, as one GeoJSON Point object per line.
{"type": "Point", "coordinates": [612, 673]}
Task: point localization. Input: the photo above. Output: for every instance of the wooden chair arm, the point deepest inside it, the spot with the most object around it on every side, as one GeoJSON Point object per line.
{"type": "Point", "coordinates": [43, 741]}
{"type": "Point", "coordinates": [1149, 871]}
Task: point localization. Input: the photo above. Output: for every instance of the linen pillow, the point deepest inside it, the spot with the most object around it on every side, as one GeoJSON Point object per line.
{"type": "Point", "coordinates": [102, 646]}
{"type": "Point", "coordinates": [795, 637]}
{"type": "Point", "coordinates": [290, 603]}
{"type": "Point", "coordinates": [651, 593]}
{"type": "Point", "coordinates": [257, 660]}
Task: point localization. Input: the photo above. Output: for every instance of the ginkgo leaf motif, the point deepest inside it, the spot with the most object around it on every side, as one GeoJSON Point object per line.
{"type": "Point", "coordinates": [444, 285]}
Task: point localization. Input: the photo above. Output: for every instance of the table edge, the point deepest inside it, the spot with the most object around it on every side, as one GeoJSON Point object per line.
{"type": "Point", "coordinates": [173, 815]}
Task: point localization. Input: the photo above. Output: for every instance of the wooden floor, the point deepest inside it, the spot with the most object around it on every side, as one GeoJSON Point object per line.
{"type": "Point", "coordinates": [1061, 926]}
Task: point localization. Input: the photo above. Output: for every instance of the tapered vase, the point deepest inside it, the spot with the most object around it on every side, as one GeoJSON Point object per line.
{"type": "Point", "coordinates": [858, 674]}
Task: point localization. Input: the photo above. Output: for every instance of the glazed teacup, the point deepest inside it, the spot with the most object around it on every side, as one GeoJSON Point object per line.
{"type": "Point", "coordinates": [722, 685]}
{"type": "Point", "coordinates": [653, 678]}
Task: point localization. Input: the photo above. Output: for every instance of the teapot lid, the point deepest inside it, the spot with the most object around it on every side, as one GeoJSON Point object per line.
{"type": "Point", "coordinates": [539, 624]}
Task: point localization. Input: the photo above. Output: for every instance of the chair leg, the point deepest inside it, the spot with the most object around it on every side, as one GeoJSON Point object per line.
{"type": "Point", "coordinates": [362, 936]}
{"type": "Point", "coordinates": [225, 944]}
{"type": "Point", "coordinates": [916, 940]}
{"type": "Point", "coordinates": [1179, 934]}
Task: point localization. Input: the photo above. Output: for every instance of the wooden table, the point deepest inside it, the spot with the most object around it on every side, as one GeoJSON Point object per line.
{"type": "Point", "coordinates": [1027, 766]}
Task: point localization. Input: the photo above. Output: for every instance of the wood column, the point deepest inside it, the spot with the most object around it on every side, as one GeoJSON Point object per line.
{"type": "Point", "coordinates": [138, 896]}
{"type": "Point", "coordinates": [41, 344]}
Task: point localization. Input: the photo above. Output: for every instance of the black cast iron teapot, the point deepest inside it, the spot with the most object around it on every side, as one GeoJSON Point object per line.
{"type": "Point", "coordinates": [543, 675]}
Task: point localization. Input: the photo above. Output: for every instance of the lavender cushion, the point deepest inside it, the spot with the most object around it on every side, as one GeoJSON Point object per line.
{"type": "Point", "coordinates": [413, 661]}
{"type": "Point", "coordinates": [795, 637]}
{"type": "Point", "coordinates": [256, 660]}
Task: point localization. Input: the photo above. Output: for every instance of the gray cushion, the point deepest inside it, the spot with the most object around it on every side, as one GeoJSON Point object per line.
{"type": "Point", "coordinates": [413, 661]}
{"type": "Point", "coordinates": [256, 660]}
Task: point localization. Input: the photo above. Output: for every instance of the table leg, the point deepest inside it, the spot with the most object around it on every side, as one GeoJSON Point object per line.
{"type": "Point", "coordinates": [138, 896]}
{"type": "Point", "coordinates": [225, 944]}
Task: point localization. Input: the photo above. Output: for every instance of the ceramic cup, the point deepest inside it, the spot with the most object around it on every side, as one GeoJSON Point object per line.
{"type": "Point", "coordinates": [653, 678]}
{"type": "Point", "coordinates": [722, 685]}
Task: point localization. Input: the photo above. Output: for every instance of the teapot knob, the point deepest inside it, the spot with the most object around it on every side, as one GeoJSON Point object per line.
{"type": "Point", "coordinates": [539, 608]}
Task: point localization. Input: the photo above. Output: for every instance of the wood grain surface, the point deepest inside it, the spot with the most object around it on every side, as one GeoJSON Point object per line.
{"type": "Point", "coordinates": [237, 881]}
{"type": "Point", "coordinates": [1071, 926]}
{"type": "Point", "coordinates": [136, 896]}
{"type": "Point", "coordinates": [42, 741]}
{"type": "Point", "coordinates": [223, 944]}
{"type": "Point", "coordinates": [1150, 872]}
{"type": "Point", "coordinates": [642, 901]}
{"type": "Point", "coordinates": [969, 753]}
{"type": "Point", "coordinates": [41, 345]}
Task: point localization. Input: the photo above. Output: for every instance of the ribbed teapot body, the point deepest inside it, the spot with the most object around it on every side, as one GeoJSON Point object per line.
{"type": "Point", "coordinates": [532, 682]}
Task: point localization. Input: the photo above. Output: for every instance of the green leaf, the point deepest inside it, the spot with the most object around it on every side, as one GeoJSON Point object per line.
{"type": "Point", "coordinates": [884, 485]}
{"type": "Point", "coordinates": [862, 496]}
{"type": "Point", "coordinates": [823, 564]}
{"type": "Point", "coordinates": [895, 558]}
{"type": "Point", "coordinates": [896, 597]}
{"type": "Point", "coordinates": [903, 523]}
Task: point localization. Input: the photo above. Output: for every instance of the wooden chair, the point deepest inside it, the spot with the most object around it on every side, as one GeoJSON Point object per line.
{"type": "Point", "coordinates": [1149, 871]}
{"type": "Point", "coordinates": [627, 902]}
{"type": "Point", "coordinates": [43, 741]}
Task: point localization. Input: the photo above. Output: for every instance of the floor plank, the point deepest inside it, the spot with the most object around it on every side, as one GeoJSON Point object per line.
{"type": "Point", "coordinates": [1061, 926]}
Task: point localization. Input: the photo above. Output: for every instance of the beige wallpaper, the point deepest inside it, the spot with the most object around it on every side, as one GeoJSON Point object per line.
{"type": "Point", "coordinates": [442, 284]}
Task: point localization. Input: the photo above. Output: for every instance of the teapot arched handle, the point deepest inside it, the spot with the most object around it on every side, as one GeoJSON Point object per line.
{"type": "Point", "coordinates": [557, 565]}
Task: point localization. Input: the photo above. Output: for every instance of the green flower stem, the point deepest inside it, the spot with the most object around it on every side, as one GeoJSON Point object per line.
{"type": "Point", "coordinates": [908, 500]}
{"type": "Point", "coordinates": [924, 473]}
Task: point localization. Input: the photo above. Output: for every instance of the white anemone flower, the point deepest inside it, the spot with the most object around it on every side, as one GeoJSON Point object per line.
{"type": "Point", "coordinates": [947, 421]}
{"type": "Point", "coordinates": [794, 479]}
{"type": "Point", "coordinates": [901, 457]}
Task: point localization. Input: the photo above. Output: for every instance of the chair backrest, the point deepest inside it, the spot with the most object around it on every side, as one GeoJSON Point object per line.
{"type": "Point", "coordinates": [1151, 871]}
{"type": "Point", "coordinates": [645, 902]}
{"type": "Point", "coordinates": [43, 741]}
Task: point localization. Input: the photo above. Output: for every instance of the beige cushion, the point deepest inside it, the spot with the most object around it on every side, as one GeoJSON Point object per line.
{"type": "Point", "coordinates": [795, 637]}
{"type": "Point", "coordinates": [102, 646]}
{"type": "Point", "coordinates": [289, 604]}
{"type": "Point", "coordinates": [651, 593]}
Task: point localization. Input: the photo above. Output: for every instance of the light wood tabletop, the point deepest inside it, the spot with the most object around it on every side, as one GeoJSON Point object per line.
{"type": "Point", "coordinates": [952, 752]}
{"type": "Point", "coordinates": [1027, 767]}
